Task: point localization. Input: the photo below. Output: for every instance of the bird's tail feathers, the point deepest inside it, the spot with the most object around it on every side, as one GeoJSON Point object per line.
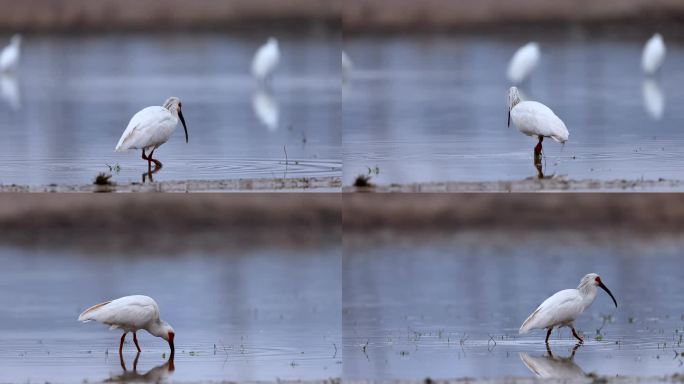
{"type": "Point", "coordinates": [87, 315]}
{"type": "Point", "coordinates": [527, 324]}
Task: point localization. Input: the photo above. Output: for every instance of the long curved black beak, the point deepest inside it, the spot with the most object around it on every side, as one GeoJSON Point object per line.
{"type": "Point", "coordinates": [173, 349]}
{"type": "Point", "coordinates": [509, 118]}
{"type": "Point", "coordinates": [180, 114]}
{"type": "Point", "coordinates": [608, 292]}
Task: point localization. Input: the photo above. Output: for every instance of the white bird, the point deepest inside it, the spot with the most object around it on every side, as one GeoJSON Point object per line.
{"type": "Point", "coordinates": [131, 314]}
{"type": "Point", "coordinates": [266, 109]}
{"type": "Point", "coordinates": [152, 127]}
{"type": "Point", "coordinates": [347, 66]}
{"type": "Point", "coordinates": [561, 309]}
{"type": "Point", "coordinates": [9, 58]}
{"type": "Point", "coordinates": [523, 62]}
{"type": "Point", "coordinates": [266, 60]}
{"type": "Point", "coordinates": [535, 119]}
{"type": "Point", "coordinates": [653, 55]}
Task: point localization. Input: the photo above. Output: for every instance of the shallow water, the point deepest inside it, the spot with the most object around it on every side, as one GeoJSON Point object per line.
{"type": "Point", "coordinates": [451, 307]}
{"type": "Point", "coordinates": [260, 314]}
{"type": "Point", "coordinates": [433, 107]}
{"type": "Point", "coordinates": [64, 112]}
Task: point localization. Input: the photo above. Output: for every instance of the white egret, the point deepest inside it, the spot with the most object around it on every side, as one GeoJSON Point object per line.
{"type": "Point", "coordinates": [266, 60]}
{"type": "Point", "coordinates": [535, 119]}
{"type": "Point", "coordinates": [347, 66]}
{"type": "Point", "coordinates": [131, 314]}
{"type": "Point", "coordinates": [266, 109]}
{"type": "Point", "coordinates": [152, 127]}
{"type": "Point", "coordinates": [523, 62]}
{"type": "Point", "coordinates": [653, 55]}
{"type": "Point", "coordinates": [561, 309]}
{"type": "Point", "coordinates": [9, 57]}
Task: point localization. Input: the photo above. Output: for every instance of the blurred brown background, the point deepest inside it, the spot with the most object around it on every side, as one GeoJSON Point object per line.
{"type": "Point", "coordinates": [401, 14]}
{"type": "Point", "coordinates": [159, 14]}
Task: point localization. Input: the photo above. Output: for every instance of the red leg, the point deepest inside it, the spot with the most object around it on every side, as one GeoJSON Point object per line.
{"type": "Point", "coordinates": [135, 340]}
{"type": "Point", "coordinates": [148, 158]}
{"type": "Point", "coordinates": [156, 162]}
{"type": "Point", "coordinates": [123, 337]}
{"type": "Point", "coordinates": [548, 334]}
{"type": "Point", "coordinates": [575, 334]}
{"type": "Point", "coordinates": [538, 148]}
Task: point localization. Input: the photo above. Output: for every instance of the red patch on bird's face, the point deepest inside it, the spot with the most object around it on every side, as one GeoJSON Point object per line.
{"type": "Point", "coordinates": [598, 280]}
{"type": "Point", "coordinates": [171, 336]}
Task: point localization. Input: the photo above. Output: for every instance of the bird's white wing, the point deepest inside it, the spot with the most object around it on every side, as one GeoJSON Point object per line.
{"type": "Point", "coordinates": [265, 60]}
{"type": "Point", "coordinates": [536, 119]}
{"type": "Point", "coordinates": [130, 311]}
{"type": "Point", "coordinates": [653, 55]}
{"type": "Point", "coordinates": [560, 308]}
{"type": "Point", "coordinates": [140, 131]}
{"type": "Point", "coordinates": [8, 57]}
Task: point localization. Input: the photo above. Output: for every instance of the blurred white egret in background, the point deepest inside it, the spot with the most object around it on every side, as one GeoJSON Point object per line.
{"type": "Point", "coordinates": [653, 55]}
{"type": "Point", "coordinates": [266, 109]}
{"type": "Point", "coordinates": [523, 62]}
{"type": "Point", "coordinates": [347, 66]}
{"type": "Point", "coordinates": [266, 61]}
{"type": "Point", "coordinates": [9, 57]}
{"type": "Point", "coordinates": [654, 99]}
{"type": "Point", "coordinates": [131, 314]}
{"type": "Point", "coordinates": [152, 127]}
{"type": "Point", "coordinates": [561, 309]}
{"type": "Point", "coordinates": [9, 89]}
{"type": "Point", "coordinates": [535, 119]}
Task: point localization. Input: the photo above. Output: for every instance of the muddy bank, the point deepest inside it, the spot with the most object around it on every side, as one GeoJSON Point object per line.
{"type": "Point", "coordinates": [73, 15]}
{"type": "Point", "coordinates": [434, 213]}
{"type": "Point", "coordinates": [233, 185]}
{"type": "Point", "coordinates": [369, 15]}
{"type": "Point", "coordinates": [556, 184]}
{"type": "Point", "coordinates": [590, 378]}
{"type": "Point", "coordinates": [170, 222]}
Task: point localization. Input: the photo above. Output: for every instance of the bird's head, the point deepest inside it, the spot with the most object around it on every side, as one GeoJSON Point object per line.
{"type": "Point", "coordinates": [513, 100]}
{"type": "Point", "coordinates": [167, 333]}
{"type": "Point", "coordinates": [593, 279]}
{"type": "Point", "coordinates": [174, 104]}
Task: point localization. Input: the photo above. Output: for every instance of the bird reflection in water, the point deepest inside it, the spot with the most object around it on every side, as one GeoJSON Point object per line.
{"type": "Point", "coordinates": [150, 171]}
{"type": "Point", "coordinates": [550, 366]}
{"type": "Point", "coordinates": [157, 374]}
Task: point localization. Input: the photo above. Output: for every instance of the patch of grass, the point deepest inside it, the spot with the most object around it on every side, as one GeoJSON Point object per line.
{"type": "Point", "coordinates": [362, 181]}
{"type": "Point", "coordinates": [114, 168]}
{"type": "Point", "coordinates": [103, 179]}
{"type": "Point", "coordinates": [599, 337]}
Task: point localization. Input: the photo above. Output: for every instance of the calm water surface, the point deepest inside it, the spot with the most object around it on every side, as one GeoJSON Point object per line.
{"type": "Point", "coordinates": [64, 111]}
{"type": "Point", "coordinates": [253, 315]}
{"type": "Point", "coordinates": [434, 107]}
{"type": "Point", "coordinates": [451, 308]}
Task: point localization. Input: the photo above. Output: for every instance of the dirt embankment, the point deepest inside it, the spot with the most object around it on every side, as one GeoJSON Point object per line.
{"type": "Point", "coordinates": [72, 15]}
{"type": "Point", "coordinates": [637, 214]}
{"type": "Point", "coordinates": [360, 15]}
{"type": "Point", "coordinates": [173, 222]}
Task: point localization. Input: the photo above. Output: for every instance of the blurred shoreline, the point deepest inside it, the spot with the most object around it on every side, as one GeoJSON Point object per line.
{"type": "Point", "coordinates": [146, 15]}
{"type": "Point", "coordinates": [170, 222]}
{"type": "Point", "coordinates": [408, 15]}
